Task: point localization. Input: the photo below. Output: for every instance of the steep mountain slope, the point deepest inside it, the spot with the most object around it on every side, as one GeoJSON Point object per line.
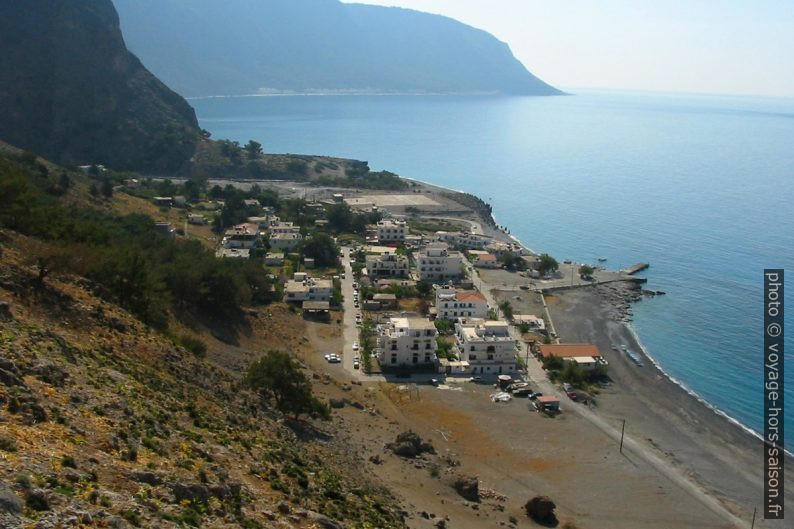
{"type": "Point", "coordinates": [71, 91]}
{"type": "Point", "coordinates": [249, 46]}
{"type": "Point", "coordinates": [106, 422]}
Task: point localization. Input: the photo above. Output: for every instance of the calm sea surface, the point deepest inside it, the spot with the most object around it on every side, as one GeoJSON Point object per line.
{"type": "Point", "coordinates": [702, 187]}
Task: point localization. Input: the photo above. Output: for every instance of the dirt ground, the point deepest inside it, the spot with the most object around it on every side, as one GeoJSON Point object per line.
{"type": "Point", "coordinates": [514, 452]}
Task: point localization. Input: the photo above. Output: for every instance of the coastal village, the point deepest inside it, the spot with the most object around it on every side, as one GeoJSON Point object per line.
{"type": "Point", "coordinates": [455, 377]}
{"type": "Point", "coordinates": [414, 292]}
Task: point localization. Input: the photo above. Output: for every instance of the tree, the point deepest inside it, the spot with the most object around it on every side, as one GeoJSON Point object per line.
{"type": "Point", "coordinates": [321, 248]}
{"type": "Point", "coordinates": [279, 379]}
{"type": "Point", "coordinates": [253, 148]}
{"type": "Point", "coordinates": [586, 271]}
{"type": "Point", "coordinates": [94, 190]}
{"type": "Point", "coordinates": [107, 188]}
{"type": "Point", "coordinates": [507, 309]}
{"type": "Point", "coordinates": [547, 264]}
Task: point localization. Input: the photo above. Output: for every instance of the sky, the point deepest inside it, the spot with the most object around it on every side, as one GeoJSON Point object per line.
{"type": "Point", "coordinates": [695, 46]}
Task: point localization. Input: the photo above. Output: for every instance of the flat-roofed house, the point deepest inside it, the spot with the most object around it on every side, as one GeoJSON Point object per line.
{"type": "Point", "coordinates": [437, 263]}
{"type": "Point", "coordinates": [244, 235]}
{"type": "Point", "coordinates": [308, 289]}
{"type": "Point", "coordinates": [391, 230]}
{"type": "Point", "coordinates": [487, 346]}
{"type": "Point", "coordinates": [386, 265]}
{"type": "Point", "coordinates": [407, 342]}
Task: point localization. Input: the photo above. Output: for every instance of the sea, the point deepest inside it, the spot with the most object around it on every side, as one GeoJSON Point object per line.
{"type": "Point", "coordinates": [699, 186]}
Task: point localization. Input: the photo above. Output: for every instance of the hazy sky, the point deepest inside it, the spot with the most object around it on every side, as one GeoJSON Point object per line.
{"type": "Point", "coordinates": [711, 46]}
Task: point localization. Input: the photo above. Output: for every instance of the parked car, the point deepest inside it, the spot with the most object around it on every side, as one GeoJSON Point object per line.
{"type": "Point", "coordinates": [535, 395]}
{"type": "Point", "coordinates": [435, 381]}
{"type": "Point", "coordinates": [356, 364]}
{"type": "Point", "coordinates": [355, 346]}
{"type": "Point", "coordinates": [335, 360]}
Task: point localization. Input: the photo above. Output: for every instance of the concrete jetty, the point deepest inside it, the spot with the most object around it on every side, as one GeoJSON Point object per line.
{"type": "Point", "coordinates": [636, 268]}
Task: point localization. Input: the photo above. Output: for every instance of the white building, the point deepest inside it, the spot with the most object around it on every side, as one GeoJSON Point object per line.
{"type": "Point", "coordinates": [391, 231]}
{"type": "Point", "coordinates": [244, 235]}
{"type": "Point", "coordinates": [452, 304]}
{"type": "Point", "coordinates": [534, 323]}
{"type": "Point", "coordinates": [303, 288]}
{"type": "Point", "coordinates": [437, 264]}
{"type": "Point", "coordinates": [280, 228]}
{"type": "Point", "coordinates": [487, 260]}
{"type": "Point", "coordinates": [407, 342]}
{"type": "Point", "coordinates": [487, 346]}
{"type": "Point", "coordinates": [285, 241]}
{"type": "Point", "coordinates": [469, 241]}
{"type": "Point", "coordinates": [386, 265]}
{"type": "Point", "coordinates": [238, 253]}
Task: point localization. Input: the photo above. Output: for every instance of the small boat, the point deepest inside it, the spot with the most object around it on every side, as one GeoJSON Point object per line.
{"type": "Point", "coordinates": [602, 259]}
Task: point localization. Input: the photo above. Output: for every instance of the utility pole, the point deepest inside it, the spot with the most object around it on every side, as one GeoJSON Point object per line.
{"type": "Point", "coordinates": [755, 509]}
{"type": "Point", "coordinates": [622, 431]}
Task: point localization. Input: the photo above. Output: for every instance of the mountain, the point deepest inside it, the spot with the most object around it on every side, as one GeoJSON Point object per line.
{"type": "Point", "coordinates": [237, 47]}
{"type": "Point", "coordinates": [71, 91]}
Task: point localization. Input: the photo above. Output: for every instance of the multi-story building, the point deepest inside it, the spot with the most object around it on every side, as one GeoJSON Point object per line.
{"type": "Point", "coordinates": [386, 265]}
{"type": "Point", "coordinates": [304, 288]}
{"type": "Point", "coordinates": [285, 241]}
{"type": "Point", "coordinates": [452, 304]}
{"type": "Point", "coordinates": [407, 342]}
{"type": "Point", "coordinates": [487, 346]}
{"type": "Point", "coordinates": [438, 264]}
{"type": "Point", "coordinates": [391, 230]}
{"type": "Point", "coordinates": [244, 235]}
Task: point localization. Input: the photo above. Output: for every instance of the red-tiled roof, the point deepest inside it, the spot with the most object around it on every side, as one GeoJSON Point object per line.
{"type": "Point", "coordinates": [569, 350]}
{"type": "Point", "coordinates": [469, 295]}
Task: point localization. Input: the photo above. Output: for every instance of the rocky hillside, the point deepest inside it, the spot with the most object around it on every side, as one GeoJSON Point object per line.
{"type": "Point", "coordinates": [71, 91]}
{"type": "Point", "coordinates": [106, 422]}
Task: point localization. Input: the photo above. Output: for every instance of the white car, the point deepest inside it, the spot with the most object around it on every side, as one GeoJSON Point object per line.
{"type": "Point", "coordinates": [356, 364]}
{"type": "Point", "coordinates": [332, 358]}
{"type": "Point", "coordinates": [355, 346]}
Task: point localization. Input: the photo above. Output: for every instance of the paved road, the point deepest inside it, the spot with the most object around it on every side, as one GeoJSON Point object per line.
{"type": "Point", "coordinates": [349, 329]}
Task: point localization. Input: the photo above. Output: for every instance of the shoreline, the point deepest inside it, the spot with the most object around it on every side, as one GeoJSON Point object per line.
{"type": "Point", "coordinates": [694, 394]}
{"type": "Point", "coordinates": [645, 352]}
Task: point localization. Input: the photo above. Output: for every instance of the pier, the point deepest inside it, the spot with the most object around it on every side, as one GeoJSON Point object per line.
{"type": "Point", "coordinates": [639, 267]}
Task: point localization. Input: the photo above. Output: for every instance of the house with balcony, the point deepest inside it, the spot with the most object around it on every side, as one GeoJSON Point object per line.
{"type": "Point", "coordinates": [438, 264]}
{"type": "Point", "coordinates": [452, 304]}
{"type": "Point", "coordinates": [387, 265]}
{"type": "Point", "coordinates": [487, 346]}
{"type": "Point", "coordinates": [304, 288]}
{"type": "Point", "coordinates": [391, 231]}
{"type": "Point", "coordinates": [244, 236]}
{"type": "Point", "coordinates": [407, 343]}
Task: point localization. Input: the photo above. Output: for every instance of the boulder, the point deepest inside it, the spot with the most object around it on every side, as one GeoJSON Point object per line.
{"type": "Point", "coordinates": [541, 509]}
{"type": "Point", "coordinates": [409, 444]}
{"type": "Point", "coordinates": [336, 403]}
{"type": "Point", "coordinates": [322, 521]}
{"type": "Point", "coordinates": [9, 501]}
{"type": "Point", "coordinates": [467, 487]}
{"type": "Point", "coordinates": [194, 492]}
{"type": "Point", "coordinates": [5, 311]}
{"type": "Point", "coordinates": [150, 478]}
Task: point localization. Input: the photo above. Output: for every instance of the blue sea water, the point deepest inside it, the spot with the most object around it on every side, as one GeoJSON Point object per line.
{"type": "Point", "coordinates": [702, 187]}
